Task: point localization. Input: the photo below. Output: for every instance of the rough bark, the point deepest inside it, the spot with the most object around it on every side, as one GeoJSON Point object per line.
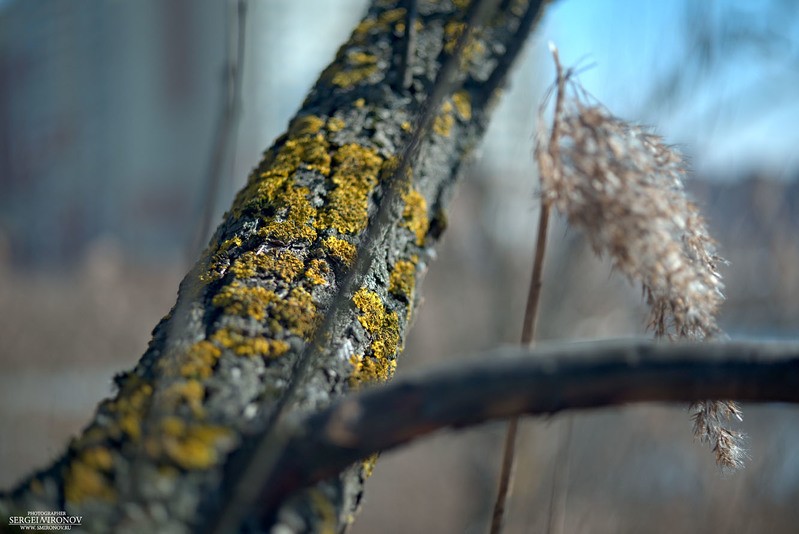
{"type": "Point", "coordinates": [153, 457]}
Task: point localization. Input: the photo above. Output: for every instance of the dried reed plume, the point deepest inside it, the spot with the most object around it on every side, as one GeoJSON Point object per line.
{"type": "Point", "coordinates": [624, 187]}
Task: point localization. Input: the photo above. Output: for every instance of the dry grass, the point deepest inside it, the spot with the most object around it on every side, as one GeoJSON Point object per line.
{"type": "Point", "coordinates": [623, 187]}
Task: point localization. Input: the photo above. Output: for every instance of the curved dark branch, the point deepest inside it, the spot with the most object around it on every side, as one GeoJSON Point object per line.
{"type": "Point", "coordinates": [515, 381]}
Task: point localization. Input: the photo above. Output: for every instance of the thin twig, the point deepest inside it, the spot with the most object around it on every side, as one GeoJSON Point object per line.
{"type": "Point", "coordinates": [224, 143]}
{"type": "Point", "coordinates": [530, 320]}
{"type": "Point", "coordinates": [505, 475]}
{"type": "Point", "coordinates": [556, 516]}
{"type": "Point", "coordinates": [225, 133]}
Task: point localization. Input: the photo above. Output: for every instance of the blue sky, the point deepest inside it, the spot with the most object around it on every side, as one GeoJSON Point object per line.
{"type": "Point", "coordinates": [742, 113]}
{"type": "Point", "coordinates": [737, 115]}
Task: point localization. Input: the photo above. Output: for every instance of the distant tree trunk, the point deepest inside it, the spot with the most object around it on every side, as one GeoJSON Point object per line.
{"type": "Point", "coordinates": [219, 364]}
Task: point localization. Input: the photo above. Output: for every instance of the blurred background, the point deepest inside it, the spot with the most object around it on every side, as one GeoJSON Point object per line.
{"type": "Point", "coordinates": [110, 112]}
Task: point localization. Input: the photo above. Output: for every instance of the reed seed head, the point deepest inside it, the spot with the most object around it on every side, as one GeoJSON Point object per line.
{"type": "Point", "coordinates": [623, 186]}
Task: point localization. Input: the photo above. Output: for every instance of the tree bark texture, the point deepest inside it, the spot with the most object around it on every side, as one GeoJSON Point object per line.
{"type": "Point", "coordinates": [153, 457]}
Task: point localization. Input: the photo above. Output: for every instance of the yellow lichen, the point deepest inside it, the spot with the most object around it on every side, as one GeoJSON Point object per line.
{"type": "Point", "coordinates": [242, 345]}
{"type": "Point", "coordinates": [318, 272]}
{"type": "Point", "coordinates": [368, 370]}
{"type": "Point", "coordinates": [472, 50]}
{"type": "Point", "coordinates": [402, 279]}
{"type": "Point", "coordinates": [271, 186]}
{"type": "Point", "coordinates": [383, 328]}
{"type": "Point", "coordinates": [130, 424]}
{"type": "Point", "coordinates": [297, 313]}
{"type": "Point", "coordinates": [382, 21]}
{"type": "Point", "coordinates": [312, 153]}
{"type": "Point", "coordinates": [244, 301]}
{"type": "Point", "coordinates": [414, 215]}
{"type": "Point", "coordinates": [340, 249]}
{"type": "Point", "coordinates": [406, 126]}
{"type": "Point", "coordinates": [361, 58]}
{"type": "Point", "coordinates": [199, 360]}
{"type": "Point", "coordinates": [362, 29]}
{"type": "Point", "coordinates": [129, 406]}
{"type": "Point", "coordinates": [84, 482]}
{"type": "Point", "coordinates": [463, 105]}
{"type": "Point", "coordinates": [355, 177]}
{"type": "Point", "coordinates": [85, 477]}
{"type": "Point", "coordinates": [371, 308]}
{"type": "Point", "coordinates": [388, 168]}
{"type": "Point", "coordinates": [391, 15]}
{"type": "Point", "coordinates": [324, 511]}
{"type": "Point", "coordinates": [334, 124]}
{"type": "Point", "coordinates": [192, 446]}
{"type": "Point", "coordinates": [298, 216]}
{"type": "Point", "coordinates": [218, 261]}
{"type": "Point", "coordinates": [284, 264]}
{"type": "Point", "coordinates": [399, 27]}
{"type": "Point", "coordinates": [307, 125]}
{"type": "Point", "coordinates": [359, 103]}
{"type": "Point", "coordinates": [444, 120]}
{"type": "Point", "coordinates": [288, 231]}
{"type": "Point", "coordinates": [98, 458]}
{"type": "Point", "coordinates": [452, 32]}
{"type": "Point", "coordinates": [229, 243]}
{"type": "Point", "coordinates": [359, 66]}
{"type": "Point", "coordinates": [188, 392]}
{"type": "Point", "coordinates": [368, 465]}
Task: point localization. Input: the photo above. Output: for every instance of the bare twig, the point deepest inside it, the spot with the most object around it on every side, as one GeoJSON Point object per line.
{"type": "Point", "coordinates": [514, 381]}
{"type": "Point", "coordinates": [530, 317]}
{"type": "Point", "coordinates": [556, 515]}
{"type": "Point", "coordinates": [225, 137]}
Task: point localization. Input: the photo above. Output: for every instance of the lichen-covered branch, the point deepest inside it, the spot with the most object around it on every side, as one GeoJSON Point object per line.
{"type": "Point", "coordinates": [514, 381]}
{"type": "Point", "coordinates": [154, 456]}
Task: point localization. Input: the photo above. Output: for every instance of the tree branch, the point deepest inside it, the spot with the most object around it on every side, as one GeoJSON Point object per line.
{"type": "Point", "coordinates": [514, 381]}
{"type": "Point", "coordinates": [155, 457]}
